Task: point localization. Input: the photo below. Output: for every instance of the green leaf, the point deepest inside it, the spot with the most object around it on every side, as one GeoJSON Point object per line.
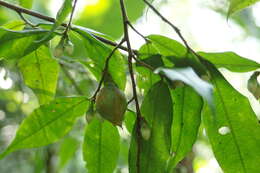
{"type": "Point", "coordinates": [234, 134]}
{"type": "Point", "coordinates": [154, 152]}
{"type": "Point", "coordinates": [186, 121]}
{"type": "Point", "coordinates": [26, 3]}
{"type": "Point", "coordinates": [101, 147]}
{"type": "Point", "coordinates": [167, 46]}
{"type": "Point", "coordinates": [237, 5]}
{"type": "Point", "coordinates": [48, 123]}
{"type": "Point", "coordinates": [67, 150]}
{"type": "Point", "coordinates": [129, 120]}
{"type": "Point", "coordinates": [189, 77]}
{"type": "Point", "coordinates": [230, 61]}
{"type": "Point", "coordinates": [40, 73]}
{"type": "Point", "coordinates": [61, 15]}
{"type": "Point", "coordinates": [16, 44]}
{"type": "Point", "coordinates": [15, 25]}
{"type": "Point", "coordinates": [98, 52]}
{"type": "Point", "coordinates": [253, 85]}
{"type": "Point", "coordinates": [145, 77]}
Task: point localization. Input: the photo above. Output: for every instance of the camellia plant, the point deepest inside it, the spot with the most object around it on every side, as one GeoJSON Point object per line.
{"type": "Point", "coordinates": [174, 90]}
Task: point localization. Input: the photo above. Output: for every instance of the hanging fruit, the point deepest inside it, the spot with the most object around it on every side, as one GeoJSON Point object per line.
{"type": "Point", "coordinates": [111, 103]}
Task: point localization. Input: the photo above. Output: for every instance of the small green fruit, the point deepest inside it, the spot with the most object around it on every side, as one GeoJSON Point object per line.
{"type": "Point", "coordinates": [58, 50]}
{"type": "Point", "coordinates": [111, 104]}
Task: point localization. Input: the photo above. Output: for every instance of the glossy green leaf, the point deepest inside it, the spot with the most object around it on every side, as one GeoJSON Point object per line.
{"type": "Point", "coordinates": [253, 85]}
{"type": "Point", "coordinates": [230, 61]}
{"type": "Point", "coordinates": [98, 52]}
{"type": "Point", "coordinates": [186, 121]}
{"type": "Point", "coordinates": [61, 15]}
{"type": "Point", "coordinates": [16, 44]}
{"type": "Point", "coordinates": [189, 77]}
{"type": "Point", "coordinates": [26, 3]}
{"type": "Point", "coordinates": [48, 123]}
{"type": "Point", "coordinates": [237, 5]}
{"type": "Point", "coordinates": [154, 152]}
{"type": "Point", "coordinates": [101, 146]}
{"type": "Point", "coordinates": [234, 135]}
{"type": "Point", "coordinates": [40, 73]}
{"type": "Point", "coordinates": [67, 150]}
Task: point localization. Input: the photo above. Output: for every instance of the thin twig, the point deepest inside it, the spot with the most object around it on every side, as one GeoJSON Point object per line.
{"type": "Point", "coordinates": [176, 29]}
{"type": "Point", "coordinates": [130, 101]}
{"type": "Point", "coordinates": [106, 69]}
{"type": "Point", "coordinates": [135, 30]}
{"type": "Point", "coordinates": [71, 17]}
{"type": "Point", "coordinates": [74, 83]}
{"type": "Point", "coordinates": [130, 67]}
{"type": "Point", "coordinates": [25, 20]}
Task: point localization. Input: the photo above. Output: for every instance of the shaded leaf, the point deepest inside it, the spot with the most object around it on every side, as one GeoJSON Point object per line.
{"type": "Point", "coordinates": [189, 77]}
{"type": "Point", "coordinates": [234, 134]}
{"type": "Point", "coordinates": [101, 146]}
{"type": "Point", "coordinates": [186, 121]}
{"type": "Point", "coordinates": [154, 152]}
{"type": "Point", "coordinates": [40, 73]}
{"type": "Point", "coordinates": [16, 44]}
{"type": "Point", "coordinates": [68, 148]}
{"type": "Point", "coordinates": [230, 61]}
{"type": "Point", "coordinates": [253, 85]}
{"type": "Point", "coordinates": [98, 52]}
{"type": "Point", "coordinates": [48, 123]}
{"type": "Point", "coordinates": [146, 78]}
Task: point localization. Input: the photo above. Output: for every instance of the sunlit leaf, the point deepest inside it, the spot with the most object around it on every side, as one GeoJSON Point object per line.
{"type": "Point", "coordinates": [189, 77]}
{"type": "Point", "coordinates": [253, 85]}
{"type": "Point", "coordinates": [129, 120]}
{"type": "Point", "coordinates": [48, 123]}
{"type": "Point", "coordinates": [234, 134]}
{"type": "Point", "coordinates": [237, 5]}
{"type": "Point", "coordinates": [98, 52]}
{"type": "Point", "coordinates": [186, 121]}
{"type": "Point", "coordinates": [40, 73]}
{"type": "Point", "coordinates": [155, 151]}
{"type": "Point", "coordinates": [230, 61]}
{"type": "Point", "coordinates": [101, 146]}
{"type": "Point", "coordinates": [26, 3]}
{"type": "Point", "coordinates": [167, 46]}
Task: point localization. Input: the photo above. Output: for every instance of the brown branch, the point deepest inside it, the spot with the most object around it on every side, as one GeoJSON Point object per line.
{"type": "Point", "coordinates": [131, 71]}
{"type": "Point", "coordinates": [93, 98]}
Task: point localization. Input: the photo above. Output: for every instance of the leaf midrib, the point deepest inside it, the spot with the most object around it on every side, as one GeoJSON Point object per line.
{"type": "Point", "coordinates": [230, 125]}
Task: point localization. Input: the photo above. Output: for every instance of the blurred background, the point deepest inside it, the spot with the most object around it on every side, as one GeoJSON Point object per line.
{"type": "Point", "coordinates": [202, 22]}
